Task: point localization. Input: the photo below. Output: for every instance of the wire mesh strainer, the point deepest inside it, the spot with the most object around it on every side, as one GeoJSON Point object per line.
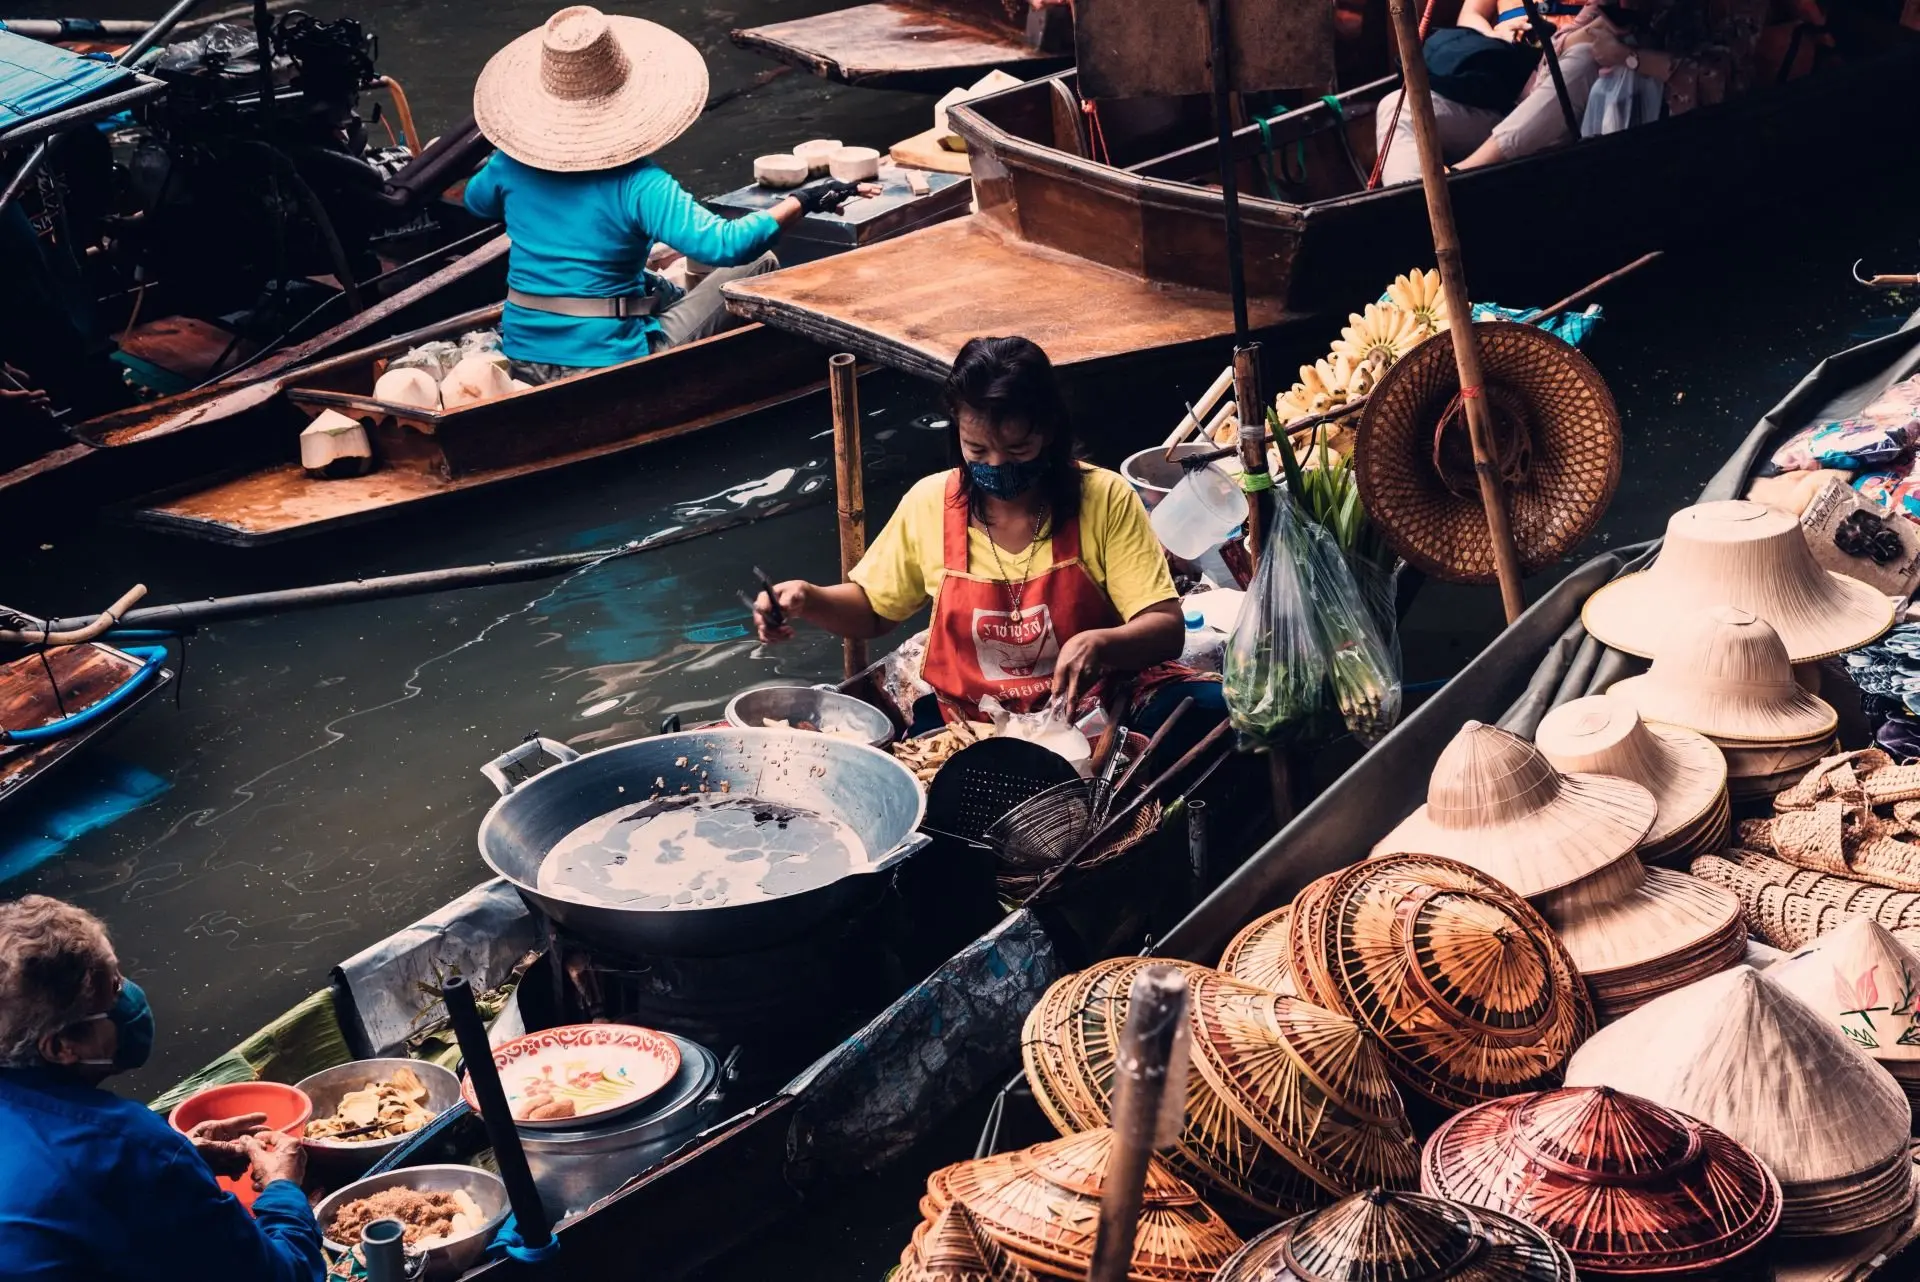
{"type": "Point", "coordinates": [1042, 830]}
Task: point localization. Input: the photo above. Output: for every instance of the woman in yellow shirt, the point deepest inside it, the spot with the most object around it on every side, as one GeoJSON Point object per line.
{"type": "Point", "coordinates": [1043, 572]}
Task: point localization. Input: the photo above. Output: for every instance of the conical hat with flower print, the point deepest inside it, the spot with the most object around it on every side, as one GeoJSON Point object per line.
{"type": "Point", "coordinates": [1725, 673]}
{"type": "Point", "coordinates": [1865, 981]}
{"type": "Point", "coordinates": [1494, 801]}
{"type": "Point", "coordinates": [1602, 735]}
{"type": "Point", "coordinates": [1738, 553]}
{"type": "Point", "coordinates": [1382, 1236]}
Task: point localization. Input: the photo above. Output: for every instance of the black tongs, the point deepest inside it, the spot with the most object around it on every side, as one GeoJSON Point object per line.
{"type": "Point", "coordinates": [775, 617]}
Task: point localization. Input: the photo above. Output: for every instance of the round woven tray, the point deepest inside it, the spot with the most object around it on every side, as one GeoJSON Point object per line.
{"type": "Point", "coordinates": [1558, 447]}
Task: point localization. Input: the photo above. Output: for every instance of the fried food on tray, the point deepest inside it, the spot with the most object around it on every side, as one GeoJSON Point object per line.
{"type": "Point", "coordinates": [431, 1218]}
{"type": "Point", "coordinates": [394, 1106]}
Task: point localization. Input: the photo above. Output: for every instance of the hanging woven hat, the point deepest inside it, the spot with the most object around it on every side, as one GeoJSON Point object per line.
{"type": "Point", "coordinates": [1495, 802]}
{"type": "Point", "coordinates": [1724, 673]}
{"type": "Point", "coordinates": [1628, 1187]}
{"type": "Point", "coordinates": [1741, 1053]}
{"type": "Point", "coordinates": [1736, 553]}
{"type": "Point", "coordinates": [954, 1248]}
{"type": "Point", "coordinates": [1467, 988]}
{"type": "Point", "coordinates": [1380, 1236]}
{"type": "Point", "coordinates": [1556, 445]}
{"type": "Point", "coordinates": [1603, 735]}
{"type": "Point", "coordinates": [1043, 1205]}
{"type": "Point", "coordinates": [1259, 954]}
{"type": "Point", "coordinates": [590, 91]}
{"type": "Point", "coordinates": [1637, 932]}
{"type": "Point", "coordinates": [1865, 981]}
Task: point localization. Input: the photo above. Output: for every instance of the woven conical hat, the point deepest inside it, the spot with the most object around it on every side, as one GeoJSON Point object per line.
{"type": "Point", "coordinates": [1493, 801]}
{"type": "Point", "coordinates": [1557, 437]}
{"type": "Point", "coordinates": [1743, 554]}
{"type": "Point", "coordinates": [1378, 1236]}
{"type": "Point", "coordinates": [1467, 988]}
{"type": "Point", "coordinates": [1865, 981]}
{"type": "Point", "coordinates": [1628, 1187]}
{"type": "Point", "coordinates": [1723, 673]}
{"type": "Point", "coordinates": [588, 91]}
{"type": "Point", "coordinates": [1043, 1205]}
{"type": "Point", "coordinates": [1741, 1053]}
{"type": "Point", "coordinates": [1604, 735]}
{"type": "Point", "coordinates": [1309, 1082]}
{"type": "Point", "coordinates": [1630, 916]}
{"type": "Point", "coordinates": [1260, 953]}
{"type": "Point", "coordinates": [956, 1249]}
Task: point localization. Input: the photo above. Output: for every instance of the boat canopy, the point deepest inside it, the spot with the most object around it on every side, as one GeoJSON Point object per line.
{"type": "Point", "coordinates": [39, 79]}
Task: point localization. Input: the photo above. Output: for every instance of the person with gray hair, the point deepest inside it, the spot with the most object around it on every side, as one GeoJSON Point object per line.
{"type": "Point", "coordinates": [98, 1187]}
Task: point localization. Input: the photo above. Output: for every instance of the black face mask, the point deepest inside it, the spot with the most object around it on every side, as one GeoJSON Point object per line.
{"type": "Point", "coordinates": [1007, 480]}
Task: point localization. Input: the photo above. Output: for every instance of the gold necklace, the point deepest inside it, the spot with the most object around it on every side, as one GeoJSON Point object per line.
{"type": "Point", "coordinates": [1016, 592]}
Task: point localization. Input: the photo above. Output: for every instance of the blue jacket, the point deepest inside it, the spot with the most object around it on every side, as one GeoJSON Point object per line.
{"type": "Point", "coordinates": [588, 235]}
{"type": "Point", "coordinates": [95, 1188]}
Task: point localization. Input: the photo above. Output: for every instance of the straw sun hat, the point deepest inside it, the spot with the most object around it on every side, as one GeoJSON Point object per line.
{"type": "Point", "coordinates": [1603, 735]}
{"type": "Point", "coordinates": [1741, 554]}
{"type": "Point", "coordinates": [590, 91]}
{"type": "Point", "coordinates": [1724, 672]}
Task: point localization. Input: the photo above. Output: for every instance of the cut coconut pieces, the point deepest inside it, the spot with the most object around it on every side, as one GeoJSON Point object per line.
{"type": "Point", "coordinates": [780, 171]}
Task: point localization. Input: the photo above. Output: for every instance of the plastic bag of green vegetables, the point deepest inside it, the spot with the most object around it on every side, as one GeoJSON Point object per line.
{"type": "Point", "coordinates": [1275, 671]}
{"type": "Point", "coordinates": [1363, 668]}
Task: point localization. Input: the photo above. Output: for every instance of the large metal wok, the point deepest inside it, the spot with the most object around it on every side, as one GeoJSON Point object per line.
{"type": "Point", "coordinates": [860, 786]}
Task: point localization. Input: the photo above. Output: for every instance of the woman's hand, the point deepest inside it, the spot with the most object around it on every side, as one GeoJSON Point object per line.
{"type": "Point", "coordinates": [222, 1142]}
{"type": "Point", "coordinates": [1514, 29]}
{"type": "Point", "coordinates": [276, 1156]}
{"type": "Point", "coordinates": [1079, 665]}
{"type": "Point", "coordinates": [793, 598]}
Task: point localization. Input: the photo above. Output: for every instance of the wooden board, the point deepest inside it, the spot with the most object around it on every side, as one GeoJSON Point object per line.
{"type": "Point", "coordinates": [923, 151]}
{"type": "Point", "coordinates": [1163, 48]}
{"type": "Point", "coordinates": [86, 673]}
{"type": "Point", "coordinates": [897, 46]}
{"type": "Point", "coordinates": [911, 303]}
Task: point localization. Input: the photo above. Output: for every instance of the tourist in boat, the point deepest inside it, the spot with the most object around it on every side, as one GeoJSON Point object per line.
{"type": "Point", "coordinates": [98, 1187]}
{"type": "Point", "coordinates": [575, 108]}
{"type": "Point", "coordinates": [1043, 573]}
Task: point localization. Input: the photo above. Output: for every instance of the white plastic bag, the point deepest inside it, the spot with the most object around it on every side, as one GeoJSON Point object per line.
{"type": "Point", "coordinates": [1621, 99]}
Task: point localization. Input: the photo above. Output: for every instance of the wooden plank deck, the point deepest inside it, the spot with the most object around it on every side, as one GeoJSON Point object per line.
{"type": "Point", "coordinates": [911, 303]}
{"type": "Point", "coordinates": [897, 46]}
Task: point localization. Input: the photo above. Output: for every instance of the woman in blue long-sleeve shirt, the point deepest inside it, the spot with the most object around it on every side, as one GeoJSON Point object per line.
{"type": "Point", "coordinates": [575, 108]}
{"type": "Point", "coordinates": [100, 1188]}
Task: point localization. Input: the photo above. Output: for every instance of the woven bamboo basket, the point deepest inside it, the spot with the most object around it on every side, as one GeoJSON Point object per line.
{"type": "Point", "coordinates": [1261, 953]}
{"type": "Point", "coordinates": [954, 1248]}
{"type": "Point", "coordinates": [1789, 907]}
{"type": "Point", "coordinates": [1042, 1204]}
{"type": "Point", "coordinates": [1467, 988]}
{"type": "Point", "coordinates": [1379, 1236]}
{"type": "Point", "coordinates": [1741, 1053]}
{"type": "Point", "coordinates": [1628, 1187]}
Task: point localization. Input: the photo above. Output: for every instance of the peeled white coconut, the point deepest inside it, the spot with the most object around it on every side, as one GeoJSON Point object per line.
{"type": "Point", "coordinates": [473, 380]}
{"type": "Point", "coordinates": [334, 445]}
{"type": "Point", "coordinates": [411, 387]}
{"type": "Point", "coordinates": [779, 171]}
{"type": "Point", "coordinates": [817, 153]}
{"type": "Point", "coordinates": [854, 164]}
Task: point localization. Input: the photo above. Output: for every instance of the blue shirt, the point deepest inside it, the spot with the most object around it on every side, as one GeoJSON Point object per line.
{"type": "Point", "coordinates": [95, 1188]}
{"type": "Point", "coordinates": [588, 236]}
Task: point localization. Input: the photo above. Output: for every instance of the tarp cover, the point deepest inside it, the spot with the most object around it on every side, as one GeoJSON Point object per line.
{"type": "Point", "coordinates": [38, 79]}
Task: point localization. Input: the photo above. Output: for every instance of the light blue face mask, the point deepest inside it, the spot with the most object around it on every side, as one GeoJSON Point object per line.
{"type": "Point", "coordinates": [1007, 480]}
{"type": "Point", "coordinates": [133, 1019]}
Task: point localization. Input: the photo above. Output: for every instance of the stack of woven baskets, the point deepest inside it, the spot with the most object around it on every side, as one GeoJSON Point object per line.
{"type": "Point", "coordinates": [1288, 1106]}
{"type": "Point", "coordinates": [1568, 843]}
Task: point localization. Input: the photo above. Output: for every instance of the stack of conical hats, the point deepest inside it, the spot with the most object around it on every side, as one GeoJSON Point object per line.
{"type": "Point", "coordinates": [1495, 803]}
{"type": "Point", "coordinates": [1746, 555]}
{"type": "Point", "coordinates": [954, 1248]}
{"type": "Point", "coordinates": [1382, 1236]}
{"type": "Point", "coordinates": [1628, 1187]}
{"type": "Point", "coordinates": [1741, 1053]}
{"type": "Point", "coordinates": [1866, 981]}
{"type": "Point", "coordinates": [1041, 1205]}
{"type": "Point", "coordinates": [1725, 673]}
{"type": "Point", "coordinates": [1259, 954]}
{"type": "Point", "coordinates": [1289, 1105]}
{"type": "Point", "coordinates": [1683, 769]}
{"type": "Point", "coordinates": [1467, 989]}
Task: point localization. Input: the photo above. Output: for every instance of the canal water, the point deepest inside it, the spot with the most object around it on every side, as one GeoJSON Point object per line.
{"type": "Point", "coordinates": [312, 783]}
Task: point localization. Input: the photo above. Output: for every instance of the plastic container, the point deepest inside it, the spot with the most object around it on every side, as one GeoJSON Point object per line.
{"type": "Point", "coordinates": [287, 1109]}
{"type": "Point", "coordinates": [1152, 474]}
{"type": "Point", "coordinates": [1205, 647]}
{"type": "Point", "coordinates": [1200, 513]}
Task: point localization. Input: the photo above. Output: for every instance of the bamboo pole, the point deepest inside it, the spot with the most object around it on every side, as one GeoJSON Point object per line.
{"type": "Point", "coordinates": [849, 484]}
{"type": "Point", "coordinates": [1254, 478]}
{"type": "Point", "coordinates": [1417, 98]}
{"type": "Point", "coordinates": [1148, 1061]}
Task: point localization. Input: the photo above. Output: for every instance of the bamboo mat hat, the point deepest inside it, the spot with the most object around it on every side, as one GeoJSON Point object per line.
{"type": "Point", "coordinates": [1495, 802]}
{"type": "Point", "coordinates": [1258, 955]}
{"type": "Point", "coordinates": [1865, 981]}
{"type": "Point", "coordinates": [590, 91]}
{"type": "Point", "coordinates": [955, 1248]}
{"type": "Point", "coordinates": [1725, 673]}
{"type": "Point", "coordinates": [1603, 735]}
{"type": "Point", "coordinates": [1381, 1236]}
{"type": "Point", "coordinates": [1628, 1187]}
{"type": "Point", "coordinates": [1733, 552]}
{"type": "Point", "coordinates": [1741, 1053]}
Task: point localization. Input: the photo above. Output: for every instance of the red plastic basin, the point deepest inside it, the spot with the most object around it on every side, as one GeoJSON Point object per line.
{"type": "Point", "coordinates": [287, 1109]}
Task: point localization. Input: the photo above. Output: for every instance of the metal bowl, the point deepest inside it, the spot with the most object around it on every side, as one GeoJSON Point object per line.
{"type": "Point", "coordinates": [1153, 475]}
{"type": "Point", "coordinates": [822, 705]}
{"type": "Point", "coordinates": [341, 1158]}
{"type": "Point", "coordinates": [453, 1258]}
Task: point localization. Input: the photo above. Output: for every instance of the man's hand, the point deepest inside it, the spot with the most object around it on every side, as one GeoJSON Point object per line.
{"type": "Point", "coordinates": [1078, 666]}
{"type": "Point", "coordinates": [793, 598]}
{"type": "Point", "coordinates": [221, 1142]}
{"type": "Point", "coordinates": [276, 1156]}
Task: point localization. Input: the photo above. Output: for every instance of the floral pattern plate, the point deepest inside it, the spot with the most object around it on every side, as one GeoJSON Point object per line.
{"type": "Point", "coordinates": [559, 1077]}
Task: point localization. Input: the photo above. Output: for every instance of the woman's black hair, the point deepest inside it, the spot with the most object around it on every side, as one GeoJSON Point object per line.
{"type": "Point", "coordinates": [1007, 379]}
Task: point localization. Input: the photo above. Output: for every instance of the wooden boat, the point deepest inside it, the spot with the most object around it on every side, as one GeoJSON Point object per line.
{"type": "Point", "coordinates": [1097, 260]}
{"type": "Point", "coordinates": [86, 674]}
{"type": "Point", "coordinates": [925, 45]}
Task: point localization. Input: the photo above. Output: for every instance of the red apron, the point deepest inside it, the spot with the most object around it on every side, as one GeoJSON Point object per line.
{"type": "Point", "coordinates": [975, 647]}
